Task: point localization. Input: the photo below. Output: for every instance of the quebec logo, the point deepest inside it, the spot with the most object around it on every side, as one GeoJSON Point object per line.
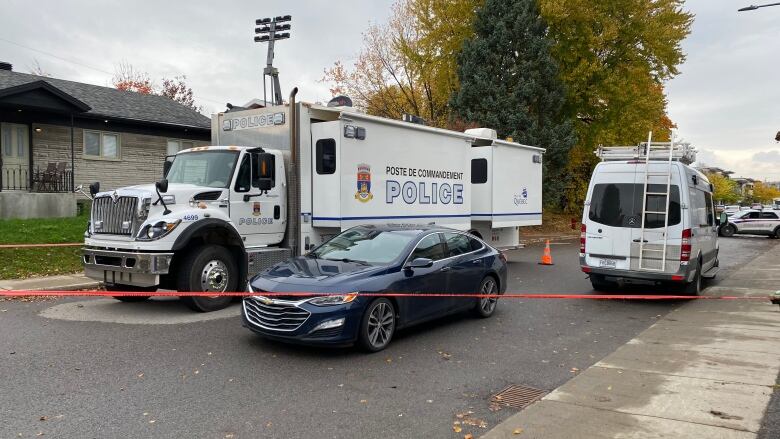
{"type": "Point", "coordinates": [521, 198]}
{"type": "Point", "coordinates": [363, 193]}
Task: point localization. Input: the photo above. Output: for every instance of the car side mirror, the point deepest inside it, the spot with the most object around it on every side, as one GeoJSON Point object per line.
{"type": "Point", "coordinates": [94, 188]}
{"type": "Point", "coordinates": [420, 263]}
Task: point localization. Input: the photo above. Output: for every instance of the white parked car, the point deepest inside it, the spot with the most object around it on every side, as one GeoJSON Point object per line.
{"type": "Point", "coordinates": [753, 222]}
{"type": "Point", "coordinates": [617, 246]}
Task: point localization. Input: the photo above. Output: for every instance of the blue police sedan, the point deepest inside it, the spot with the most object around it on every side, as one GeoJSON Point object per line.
{"type": "Point", "coordinates": [350, 273]}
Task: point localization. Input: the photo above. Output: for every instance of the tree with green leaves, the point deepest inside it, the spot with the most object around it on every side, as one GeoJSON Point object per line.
{"type": "Point", "coordinates": [509, 81]}
{"type": "Point", "coordinates": [614, 57]}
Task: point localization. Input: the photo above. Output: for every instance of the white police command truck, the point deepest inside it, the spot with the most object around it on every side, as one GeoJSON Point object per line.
{"type": "Point", "coordinates": [288, 178]}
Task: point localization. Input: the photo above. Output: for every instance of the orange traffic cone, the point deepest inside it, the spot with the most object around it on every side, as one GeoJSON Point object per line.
{"type": "Point", "coordinates": [546, 256]}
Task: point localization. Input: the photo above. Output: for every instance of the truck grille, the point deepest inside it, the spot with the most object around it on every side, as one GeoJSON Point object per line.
{"type": "Point", "coordinates": [276, 316]}
{"type": "Point", "coordinates": [114, 218]}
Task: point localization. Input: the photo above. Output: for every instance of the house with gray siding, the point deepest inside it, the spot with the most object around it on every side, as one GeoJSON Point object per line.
{"type": "Point", "coordinates": [57, 134]}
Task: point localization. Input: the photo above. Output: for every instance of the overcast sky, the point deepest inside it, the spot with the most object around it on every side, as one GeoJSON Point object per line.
{"type": "Point", "coordinates": [725, 101]}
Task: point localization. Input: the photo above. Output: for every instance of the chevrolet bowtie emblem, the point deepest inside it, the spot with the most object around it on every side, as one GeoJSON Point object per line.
{"type": "Point", "coordinates": [114, 197]}
{"type": "Point", "coordinates": [267, 300]}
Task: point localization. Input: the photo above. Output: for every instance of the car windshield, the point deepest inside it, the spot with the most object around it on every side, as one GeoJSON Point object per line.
{"type": "Point", "coordinates": [366, 245]}
{"type": "Point", "coordinates": [203, 168]}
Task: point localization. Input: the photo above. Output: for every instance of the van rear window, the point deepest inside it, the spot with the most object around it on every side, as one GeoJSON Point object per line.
{"type": "Point", "coordinates": [620, 205]}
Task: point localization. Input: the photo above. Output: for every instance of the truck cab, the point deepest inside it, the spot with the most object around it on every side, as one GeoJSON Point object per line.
{"type": "Point", "coordinates": [213, 204]}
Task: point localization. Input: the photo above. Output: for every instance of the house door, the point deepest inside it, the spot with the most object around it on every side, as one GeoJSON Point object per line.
{"type": "Point", "coordinates": [15, 155]}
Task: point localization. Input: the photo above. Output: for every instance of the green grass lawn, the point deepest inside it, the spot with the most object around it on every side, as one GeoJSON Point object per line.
{"type": "Point", "coordinates": [19, 263]}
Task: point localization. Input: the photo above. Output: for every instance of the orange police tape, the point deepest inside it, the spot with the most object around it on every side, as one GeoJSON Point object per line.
{"type": "Point", "coordinates": [67, 244]}
{"type": "Point", "coordinates": [63, 293]}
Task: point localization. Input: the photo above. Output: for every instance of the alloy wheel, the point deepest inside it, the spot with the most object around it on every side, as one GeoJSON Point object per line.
{"type": "Point", "coordinates": [381, 323]}
{"type": "Point", "coordinates": [488, 304]}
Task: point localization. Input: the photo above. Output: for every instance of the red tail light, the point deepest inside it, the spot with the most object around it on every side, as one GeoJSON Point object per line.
{"type": "Point", "coordinates": [582, 239]}
{"type": "Point", "coordinates": [685, 246]}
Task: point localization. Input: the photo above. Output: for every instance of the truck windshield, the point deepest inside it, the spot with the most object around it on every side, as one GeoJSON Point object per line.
{"type": "Point", "coordinates": [620, 205]}
{"type": "Point", "coordinates": [203, 168]}
{"type": "Point", "coordinates": [365, 245]}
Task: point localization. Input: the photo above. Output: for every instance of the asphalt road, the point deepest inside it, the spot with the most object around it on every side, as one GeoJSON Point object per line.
{"type": "Point", "coordinates": [215, 379]}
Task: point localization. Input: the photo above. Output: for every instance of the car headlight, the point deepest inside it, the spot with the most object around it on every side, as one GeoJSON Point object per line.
{"type": "Point", "coordinates": [157, 230]}
{"type": "Point", "coordinates": [333, 299]}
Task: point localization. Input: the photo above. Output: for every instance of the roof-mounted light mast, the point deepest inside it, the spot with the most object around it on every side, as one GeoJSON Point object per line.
{"type": "Point", "coordinates": [269, 31]}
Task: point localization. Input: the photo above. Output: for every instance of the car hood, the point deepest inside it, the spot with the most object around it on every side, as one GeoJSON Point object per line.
{"type": "Point", "coordinates": [314, 275]}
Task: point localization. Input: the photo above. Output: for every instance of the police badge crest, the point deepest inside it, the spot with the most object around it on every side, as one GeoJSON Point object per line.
{"type": "Point", "coordinates": [363, 193]}
{"type": "Point", "coordinates": [256, 209]}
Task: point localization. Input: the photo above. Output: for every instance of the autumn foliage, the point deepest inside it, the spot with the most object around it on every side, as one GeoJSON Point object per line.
{"type": "Point", "coordinates": [127, 78]}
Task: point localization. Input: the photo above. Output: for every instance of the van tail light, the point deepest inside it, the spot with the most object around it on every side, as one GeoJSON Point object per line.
{"type": "Point", "coordinates": [583, 229]}
{"type": "Point", "coordinates": [685, 246]}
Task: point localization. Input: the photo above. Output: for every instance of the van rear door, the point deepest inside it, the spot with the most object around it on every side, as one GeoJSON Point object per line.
{"type": "Point", "coordinates": [614, 210]}
{"type": "Point", "coordinates": [655, 233]}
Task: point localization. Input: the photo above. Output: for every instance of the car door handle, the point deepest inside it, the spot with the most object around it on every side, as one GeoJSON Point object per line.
{"type": "Point", "coordinates": [476, 261]}
{"type": "Point", "coordinates": [446, 269]}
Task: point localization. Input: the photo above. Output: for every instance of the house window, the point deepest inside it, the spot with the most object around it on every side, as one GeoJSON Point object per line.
{"type": "Point", "coordinates": [176, 145]}
{"type": "Point", "coordinates": [101, 145]}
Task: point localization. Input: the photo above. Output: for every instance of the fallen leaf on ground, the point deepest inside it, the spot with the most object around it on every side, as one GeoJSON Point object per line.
{"type": "Point", "coordinates": [140, 375]}
{"type": "Point", "coordinates": [456, 427]}
{"type": "Point", "coordinates": [468, 436]}
{"type": "Point", "coordinates": [517, 431]}
{"type": "Point", "coordinates": [43, 418]}
{"type": "Point", "coordinates": [363, 401]}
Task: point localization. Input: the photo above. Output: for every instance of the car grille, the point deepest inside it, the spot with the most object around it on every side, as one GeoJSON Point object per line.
{"type": "Point", "coordinates": [276, 316]}
{"type": "Point", "coordinates": [114, 215]}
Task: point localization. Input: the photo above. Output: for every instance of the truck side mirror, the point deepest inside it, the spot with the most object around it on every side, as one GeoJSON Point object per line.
{"type": "Point", "coordinates": [162, 185]}
{"type": "Point", "coordinates": [94, 188]}
{"type": "Point", "coordinates": [167, 165]}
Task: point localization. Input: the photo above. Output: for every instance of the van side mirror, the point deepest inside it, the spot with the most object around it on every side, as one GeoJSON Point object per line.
{"type": "Point", "coordinates": [419, 263]}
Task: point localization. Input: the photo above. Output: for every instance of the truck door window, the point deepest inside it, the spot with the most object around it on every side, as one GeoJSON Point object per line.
{"type": "Point", "coordinates": [244, 175]}
{"type": "Point", "coordinates": [479, 171]}
{"type": "Point", "coordinates": [325, 150]}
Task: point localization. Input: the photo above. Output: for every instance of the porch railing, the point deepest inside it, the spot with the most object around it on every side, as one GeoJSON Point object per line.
{"type": "Point", "coordinates": [51, 179]}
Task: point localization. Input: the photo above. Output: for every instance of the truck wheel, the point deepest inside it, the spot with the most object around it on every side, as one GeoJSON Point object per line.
{"type": "Point", "coordinates": [210, 268]}
{"type": "Point", "coordinates": [728, 230]}
{"type": "Point", "coordinates": [129, 288]}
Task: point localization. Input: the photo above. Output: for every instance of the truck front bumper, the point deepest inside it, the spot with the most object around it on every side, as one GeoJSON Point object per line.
{"type": "Point", "coordinates": [125, 267]}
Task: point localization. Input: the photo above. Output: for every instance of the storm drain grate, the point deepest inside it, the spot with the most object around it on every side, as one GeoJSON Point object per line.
{"type": "Point", "coordinates": [518, 397]}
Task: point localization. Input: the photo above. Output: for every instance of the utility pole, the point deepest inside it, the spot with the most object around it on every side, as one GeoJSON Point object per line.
{"type": "Point", "coordinates": [268, 33]}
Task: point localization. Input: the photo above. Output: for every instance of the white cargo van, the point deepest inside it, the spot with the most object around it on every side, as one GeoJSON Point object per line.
{"type": "Point", "coordinates": [649, 218]}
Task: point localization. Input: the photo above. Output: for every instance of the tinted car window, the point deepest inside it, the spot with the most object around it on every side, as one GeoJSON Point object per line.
{"type": "Point", "coordinates": [620, 205]}
{"type": "Point", "coordinates": [430, 247]}
{"type": "Point", "coordinates": [768, 215]}
{"type": "Point", "coordinates": [368, 245]}
{"type": "Point", "coordinates": [752, 215]}
{"type": "Point", "coordinates": [457, 244]}
{"type": "Point", "coordinates": [475, 244]}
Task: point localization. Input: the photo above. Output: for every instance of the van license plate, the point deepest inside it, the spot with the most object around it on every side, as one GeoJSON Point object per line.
{"type": "Point", "coordinates": [607, 263]}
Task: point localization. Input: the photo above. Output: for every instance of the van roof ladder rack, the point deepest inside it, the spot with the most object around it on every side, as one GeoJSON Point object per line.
{"type": "Point", "coordinates": [680, 151]}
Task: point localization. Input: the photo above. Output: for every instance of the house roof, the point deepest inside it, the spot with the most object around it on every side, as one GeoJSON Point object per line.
{"type": "Point", "coordinates": [114, 104]}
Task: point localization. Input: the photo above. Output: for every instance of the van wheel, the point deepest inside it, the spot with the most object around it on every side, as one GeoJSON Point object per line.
{"type": "Point", "coordinates": [693, 288]}
{"type": "Point", "coordinates": [601, 284]}
{"type": "Point", "coordinates": [728, 231]}
{"type": "Point", "coordinates": [209, 268]}
{"type": "Point", "coordinates": [129, 288]}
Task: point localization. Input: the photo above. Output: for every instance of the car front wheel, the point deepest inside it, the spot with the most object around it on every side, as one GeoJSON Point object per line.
{"type": "Point", "coordinates": [486, 306]}
{"type": "Point", "coordinates": [728, 230]}
{"type": "Point", "coordinates": [378, 325]}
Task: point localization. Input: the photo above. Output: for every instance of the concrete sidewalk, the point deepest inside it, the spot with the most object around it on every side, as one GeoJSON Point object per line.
{"type": "Point", "coordinates": [68, 282]}
{"type": "Point", "coordinates": [706, 370]}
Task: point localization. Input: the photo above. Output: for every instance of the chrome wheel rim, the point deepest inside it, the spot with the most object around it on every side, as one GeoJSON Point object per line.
{"type": "Point", "coordinates": [214, 277]}
{"type": "Point", "coordinates": [488, 304]}
{"type": "Point", "coordinates": [381, 322]}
